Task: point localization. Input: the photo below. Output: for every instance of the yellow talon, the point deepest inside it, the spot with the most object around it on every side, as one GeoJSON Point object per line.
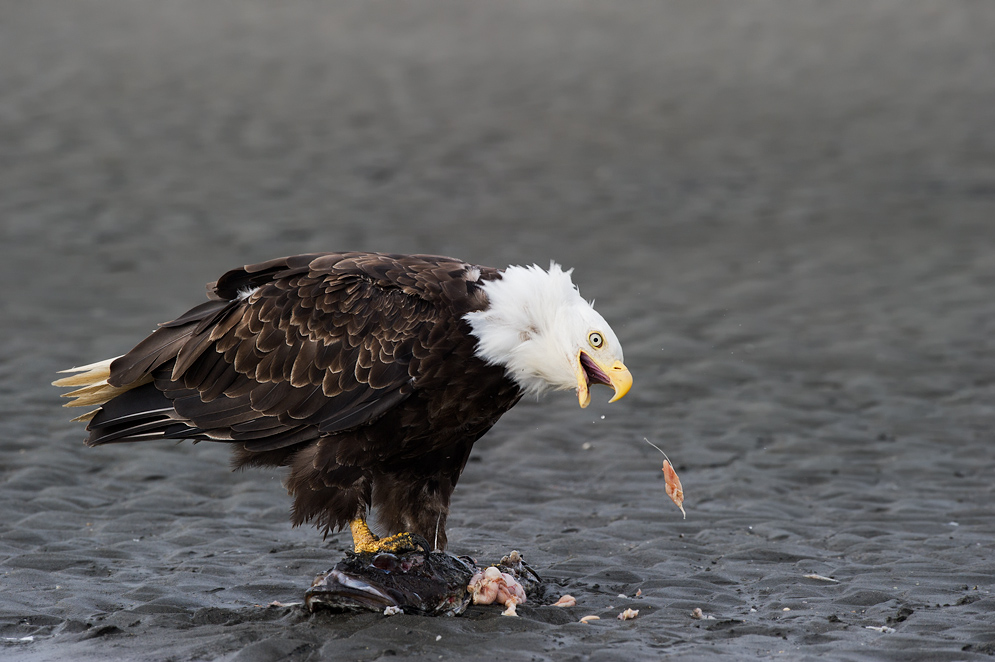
{"type": "Point", "coordinates": [362, 538]}
{"type": "Point", "coordinates": [366, 542]}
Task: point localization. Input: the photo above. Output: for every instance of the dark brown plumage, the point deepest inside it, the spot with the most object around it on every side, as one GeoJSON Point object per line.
{"type": "Point", "coordinates": [370, 376]}
{"type": "Point", "coordinates": [356, 370]}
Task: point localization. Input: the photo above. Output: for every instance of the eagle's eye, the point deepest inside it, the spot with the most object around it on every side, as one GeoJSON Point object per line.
{"type": "Point", "coordinates": [596, 340]}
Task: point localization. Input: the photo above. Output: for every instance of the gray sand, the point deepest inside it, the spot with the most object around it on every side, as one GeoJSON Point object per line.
{"type": "Point", "coordinates": [785, 209]}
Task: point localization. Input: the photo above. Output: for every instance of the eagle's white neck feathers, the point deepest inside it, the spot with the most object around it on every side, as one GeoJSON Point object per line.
{"type": "Point", "coordinates": [534, 326]}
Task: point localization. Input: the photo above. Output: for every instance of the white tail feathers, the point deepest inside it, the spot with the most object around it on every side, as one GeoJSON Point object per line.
{"type": "Point", "coordinates": [95, 389]}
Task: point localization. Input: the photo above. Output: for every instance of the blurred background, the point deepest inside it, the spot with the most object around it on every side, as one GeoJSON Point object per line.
{"type": "Point", "coordinates": [784, 209]}
{"type": "Point", "coordinates": [180, 137]}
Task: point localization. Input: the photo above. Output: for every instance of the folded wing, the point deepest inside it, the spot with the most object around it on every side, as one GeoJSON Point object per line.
{"type": "Point", "coordinates": [286, 351]}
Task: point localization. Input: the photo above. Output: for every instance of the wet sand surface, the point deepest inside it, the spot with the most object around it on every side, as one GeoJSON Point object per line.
{"type": "Point", "coordinates": [784, 208]}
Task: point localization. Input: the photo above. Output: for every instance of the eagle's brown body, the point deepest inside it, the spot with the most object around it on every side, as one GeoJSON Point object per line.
{"type": "Point", "coordinates": [356, 370]}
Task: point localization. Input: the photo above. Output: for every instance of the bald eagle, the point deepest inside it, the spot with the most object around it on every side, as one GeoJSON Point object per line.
{"type": "Point", "coordinates": [369, 375]}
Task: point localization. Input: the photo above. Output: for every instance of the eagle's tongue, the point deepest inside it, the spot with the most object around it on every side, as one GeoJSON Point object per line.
{"type": "Point", "coordinates": [595, 375]}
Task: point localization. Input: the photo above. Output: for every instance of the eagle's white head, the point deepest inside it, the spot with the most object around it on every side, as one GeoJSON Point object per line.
{"type": "Point", "coordinates": [538, 327]}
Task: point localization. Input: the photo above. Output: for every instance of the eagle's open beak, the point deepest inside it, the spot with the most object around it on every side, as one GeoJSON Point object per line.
{"type": "Point", "coordinates": [590, 372]}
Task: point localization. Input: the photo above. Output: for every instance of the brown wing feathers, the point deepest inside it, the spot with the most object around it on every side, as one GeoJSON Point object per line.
{"type": "Point", "coordinates": [324, 344]}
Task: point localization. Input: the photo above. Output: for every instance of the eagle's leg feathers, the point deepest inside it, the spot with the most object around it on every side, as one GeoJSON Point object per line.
{"type": "Point", "coordinates": [366, 542]}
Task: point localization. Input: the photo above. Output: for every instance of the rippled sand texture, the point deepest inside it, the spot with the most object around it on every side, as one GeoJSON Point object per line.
{"type": "Point", "coordinates": [785, 208]}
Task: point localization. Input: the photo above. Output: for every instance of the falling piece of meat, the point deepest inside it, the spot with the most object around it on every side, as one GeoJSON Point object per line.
{"type": "Point", "coordinates": [674, 489]}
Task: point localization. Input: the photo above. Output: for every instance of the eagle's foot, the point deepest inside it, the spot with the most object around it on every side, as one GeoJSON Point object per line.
{"type": "Point", "coordinates": [365, 542]}
{"type": "Point", "coordinates": [397, 544]}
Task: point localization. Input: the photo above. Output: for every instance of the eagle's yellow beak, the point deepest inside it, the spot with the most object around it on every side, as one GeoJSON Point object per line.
{"type": "Point", "coordinates": [621, 380]}
{"type": "Point", "coordinates": [589, 371]}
